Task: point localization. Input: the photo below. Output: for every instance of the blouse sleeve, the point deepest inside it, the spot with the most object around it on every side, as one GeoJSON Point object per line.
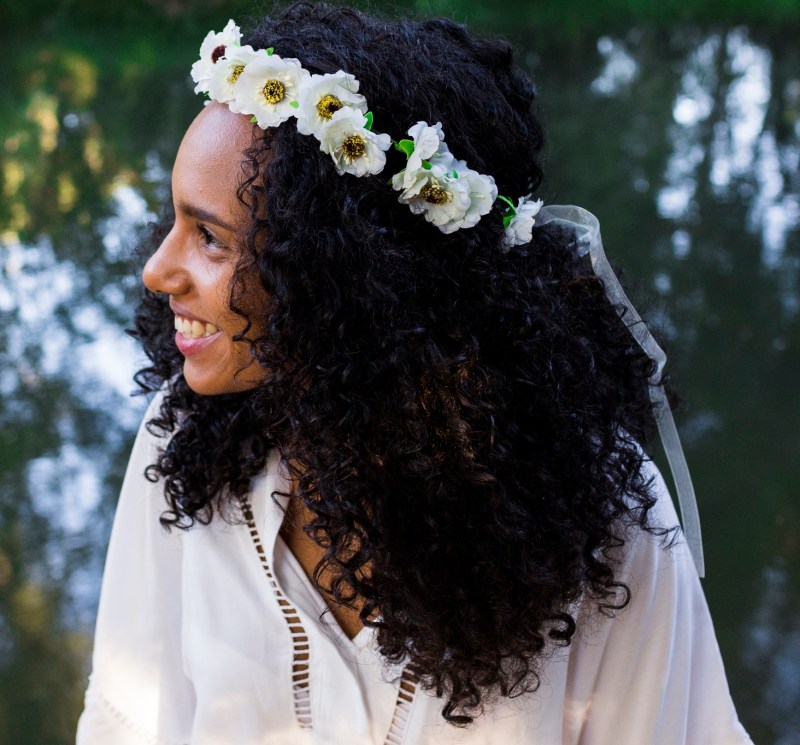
{"type": "Point", "coordinates": [138, 692]}
{"type": "Point", "coordinates": [653, 674]}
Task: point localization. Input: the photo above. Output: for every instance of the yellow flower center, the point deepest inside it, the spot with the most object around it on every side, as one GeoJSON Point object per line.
{"type": "Point", "coordinates": [434, 194]}
{"type": "Point", "coordinates": [328, 106]}
{"type": "Point", "coordinates": [236, 71]}
{"type": "Point", "coordinates": [273, 91]}
{"type": "Point", "coordinates": [354, 147]}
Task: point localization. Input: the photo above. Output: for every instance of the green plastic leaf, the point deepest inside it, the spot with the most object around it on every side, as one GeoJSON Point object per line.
{"type": "Point", "coordinates": [426, 165]}
{"type": "Point", "coordinates": [405, 146]}
{"type": "Point", "coordinates": [254, 119]}
{"type": "Point", "coordinates": [512, 209]}
{"type": "Point", "coordinates": [368, 116]}
{"type": "Point", "coordinates": [294, 104]}
{"type": "Point", "coordinates": [270, 50]}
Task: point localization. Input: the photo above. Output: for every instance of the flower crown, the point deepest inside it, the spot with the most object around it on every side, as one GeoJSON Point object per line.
{"type": "Point", "coordinates": [272, 89]}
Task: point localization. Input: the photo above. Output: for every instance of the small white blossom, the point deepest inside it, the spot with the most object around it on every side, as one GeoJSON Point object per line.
{"type": "Point", "coordinates": [354, 149]}
{"type": "Point", "coordinates": [482, 194]}
{"type": "Point", "coordinates": [520, 229]}
{"type": "Point", "coordinates": [429, 145]}
{"type": "Point", "coordinates": [448, 193]}
{"type": "Point", "coordinates": [268, 88]}
{"type": "Point", "coordinates": [227, 71]}
{"type": "Point", "coordinates": [321, 96]}
{"type": "Point", "coordinates": [212, 50]}
{"type": "Point", "coordinates": [436, 194]}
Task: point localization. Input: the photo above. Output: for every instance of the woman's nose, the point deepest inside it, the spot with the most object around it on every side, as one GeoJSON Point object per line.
{"type": "Point", "coordinates": [165, 271]}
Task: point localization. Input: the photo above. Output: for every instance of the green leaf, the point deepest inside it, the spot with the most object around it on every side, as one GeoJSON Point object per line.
{"type": "Point", "coordinates": [254, 119]}
{"type": "Point", "coordinates": [426, 165]}
{"type": "Point", "coordinates": [455, 173]}
{"type": "Point", "coordinates": [369, 118]}
{"type": "Point", "coordinates": [294, 104]}
{"type": "Point", "coordinates": [512, 209]}
{"type": "Point", "coordinates": [507, 220]}
{"type": "Point", "coordinates": [405, 146]}
{"type": "Point", "coordinates": [270, 50]}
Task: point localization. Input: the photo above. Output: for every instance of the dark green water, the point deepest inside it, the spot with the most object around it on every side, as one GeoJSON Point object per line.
{"type": "Point", "coordinates": [685, 142]}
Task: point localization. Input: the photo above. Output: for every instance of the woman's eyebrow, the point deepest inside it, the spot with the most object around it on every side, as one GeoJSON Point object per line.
{"type": "Point", "coordinates": [199, 213]}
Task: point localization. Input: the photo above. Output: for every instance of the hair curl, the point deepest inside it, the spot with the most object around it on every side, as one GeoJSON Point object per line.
{"type": "Point", "coordinates": [462, 422]}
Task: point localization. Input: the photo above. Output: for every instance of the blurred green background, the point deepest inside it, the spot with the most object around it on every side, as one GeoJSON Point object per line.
{"type": "Point", "coordinates": [678, 124]}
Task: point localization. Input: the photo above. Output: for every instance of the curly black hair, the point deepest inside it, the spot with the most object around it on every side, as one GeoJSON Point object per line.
{"type": "Point", "coordinates": [463, 422]}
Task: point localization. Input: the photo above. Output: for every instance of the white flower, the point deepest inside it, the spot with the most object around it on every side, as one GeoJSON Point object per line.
{"type": "Point", "coordinates": [520, 229]}
{"type": "Point", "coordinates": [482, 194]}
{"type": "Point", "coordinates": [353, 148]}
{"type": "Point", "coordinates": [226, 73]}
{"type": "Point", "coordinates": [443, 189]}
{"type": "Point", "coordinates": [429, 145]}
{"type": "Point", "coordinates": [321, 96]}
{"type": "Point", "coordinates": [268, 88]}
{"type": "Point", "coordinates": [437, 195]}
{"type": "Point", "coordinates": [428, 142]}
{"type": "Point", "coordinates": [212, 50]}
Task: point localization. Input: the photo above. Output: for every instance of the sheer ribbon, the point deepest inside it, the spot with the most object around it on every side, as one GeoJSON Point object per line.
{"type": "Point", "coordinates": [587, 229]}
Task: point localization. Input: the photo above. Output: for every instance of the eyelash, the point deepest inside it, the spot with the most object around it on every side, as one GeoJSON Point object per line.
{"type": "Point", "coordinates": [208, 237]}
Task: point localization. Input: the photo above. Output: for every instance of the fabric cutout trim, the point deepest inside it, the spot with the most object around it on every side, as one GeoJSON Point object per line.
{"type": "Point", "coordinates": [301, 689]}
{"type": "Point", "coordinates": [301, 674]}
{"type": "Point", "coordinates": [402, 708]}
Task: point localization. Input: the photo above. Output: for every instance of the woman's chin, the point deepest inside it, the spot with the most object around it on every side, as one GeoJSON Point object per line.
{"type": "Point", "coordinates": [216, 383]}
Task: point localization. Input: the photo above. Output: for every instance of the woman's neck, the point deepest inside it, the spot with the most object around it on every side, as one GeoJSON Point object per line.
{"type": "Point", "coordinates": [309, 554]}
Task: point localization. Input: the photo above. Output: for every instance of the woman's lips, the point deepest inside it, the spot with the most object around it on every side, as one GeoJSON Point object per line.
{"type": "Point", "coordinates": [193, 329]}
{"type": "Point", "coordinates": [193, 336]}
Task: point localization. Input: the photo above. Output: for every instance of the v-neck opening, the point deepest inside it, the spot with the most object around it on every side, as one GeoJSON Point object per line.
{"type": "Point", "coordinates": [361, 639]}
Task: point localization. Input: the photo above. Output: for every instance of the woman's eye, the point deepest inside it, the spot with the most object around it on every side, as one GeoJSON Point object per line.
{"type": "Point", "coordinates": [208, 237]}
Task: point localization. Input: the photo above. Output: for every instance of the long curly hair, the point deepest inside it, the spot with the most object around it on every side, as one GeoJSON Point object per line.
{"type": "Point", "coordinates": [462, 422]}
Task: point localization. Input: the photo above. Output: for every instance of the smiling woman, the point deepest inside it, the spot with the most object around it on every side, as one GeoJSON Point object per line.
{"type": "Point", "coordinates": [195, 263]}
{"type": "Point", "coordinates": [401, 397]}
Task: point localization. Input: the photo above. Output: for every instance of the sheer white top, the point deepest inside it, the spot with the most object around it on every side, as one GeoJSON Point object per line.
{"type": "Point", "coordinates": [213, 637]}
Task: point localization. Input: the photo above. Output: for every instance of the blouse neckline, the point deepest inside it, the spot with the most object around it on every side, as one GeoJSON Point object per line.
{"type": "Point", "coordinates": [282, 553]}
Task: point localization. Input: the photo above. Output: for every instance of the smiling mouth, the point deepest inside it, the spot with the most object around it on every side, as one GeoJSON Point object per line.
{"type": "Point", "coordinates": [189, 329]}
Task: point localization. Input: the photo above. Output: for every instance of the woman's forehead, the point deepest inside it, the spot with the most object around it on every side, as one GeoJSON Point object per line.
{"type": "Point", "coordinates": [216, 130]}
{"type": "Point", "coordinates": [213, 145]}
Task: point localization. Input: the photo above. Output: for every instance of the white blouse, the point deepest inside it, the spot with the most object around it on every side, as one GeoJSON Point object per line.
{"type": "Point", "coordinates": [213, 637]}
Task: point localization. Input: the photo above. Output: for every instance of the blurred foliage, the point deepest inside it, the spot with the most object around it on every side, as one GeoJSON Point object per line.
{"type": "Point", "coordinates": [575, 17]}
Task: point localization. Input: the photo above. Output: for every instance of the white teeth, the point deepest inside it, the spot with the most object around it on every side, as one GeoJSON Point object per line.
{"type": "Point", "coordinates": [194, 329]}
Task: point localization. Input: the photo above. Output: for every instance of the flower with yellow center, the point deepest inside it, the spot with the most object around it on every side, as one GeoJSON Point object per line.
{"type": "Point", "coordinates": [352, 146]}
{"type": "Point", "coordinates": [436, 185]}
{"type": "Point", "coordinates": [268, 88]}
{"type": "Point", "coordinates": [321, 96]}
{"type": "Point", "coordinates": [226, 73]}
{"type": "Point", "coordinates": [435, 193]}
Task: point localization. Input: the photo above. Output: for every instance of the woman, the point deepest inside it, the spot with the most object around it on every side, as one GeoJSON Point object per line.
{"type": "Point", "coordinates": [399, 396]}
